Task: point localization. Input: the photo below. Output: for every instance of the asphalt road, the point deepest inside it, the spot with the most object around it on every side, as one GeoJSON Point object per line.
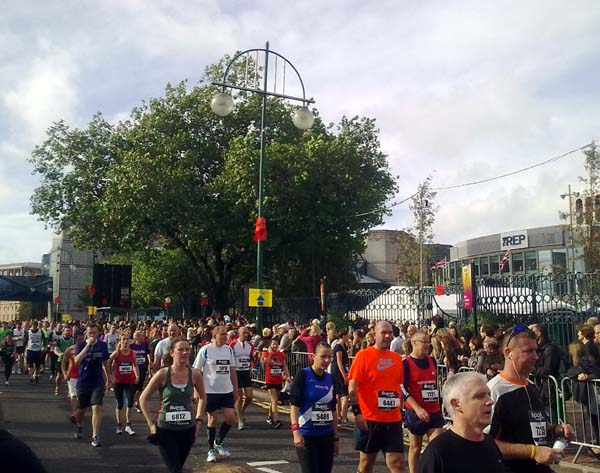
{"type": "Point", "coordinates": [36, 416]}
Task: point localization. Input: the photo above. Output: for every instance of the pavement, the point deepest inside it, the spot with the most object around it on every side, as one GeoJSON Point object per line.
{"type": "Point", "coordinates": [33, 414]}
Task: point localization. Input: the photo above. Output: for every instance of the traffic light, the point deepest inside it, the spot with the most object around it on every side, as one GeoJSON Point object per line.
{"type": "Point", "coordinates": [260, 229]}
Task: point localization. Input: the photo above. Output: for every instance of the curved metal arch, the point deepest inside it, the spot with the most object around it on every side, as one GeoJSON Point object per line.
{"type": "Point", "coordinates": [266, 50]}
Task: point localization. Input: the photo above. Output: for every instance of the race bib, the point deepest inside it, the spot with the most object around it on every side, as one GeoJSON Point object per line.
{"type": "Point", "coordinates": [537, 424]}
{"type": "Point", "coordinates": [125, 368]}
{"type": "Point", "coordinates": [35, 345]}
{"type": "Point", "coordinates": [276, 370]}
{"type": "Point", "coordinates": [19, 343]}
{"type": "Point", "coordinates": [429, 393]}
{"type": "Point", "coordinates": [321, 417]}
{"type": "Point", "coordinates": [387, 400]}
{"type": "Point", "coordinates": [222, 366]}
{"type": "Point", "coordinates": [178, 416]}
{"type": "Point", "coordinates": [140, 360]}
{"type": "Point", "coordinates": [244, 363]}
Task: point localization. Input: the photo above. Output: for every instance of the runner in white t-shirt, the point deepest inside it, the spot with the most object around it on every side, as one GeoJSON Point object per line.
{"type": "Point", "coordinates": [217, 363]}
{"type": "Point", "coordinates": [161, 351]}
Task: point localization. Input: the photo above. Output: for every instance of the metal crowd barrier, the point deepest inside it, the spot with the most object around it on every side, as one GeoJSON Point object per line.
{"type": "Point", "coordinates": [295, 361]}
{"type": "Point", "coordinates": [582, 412]}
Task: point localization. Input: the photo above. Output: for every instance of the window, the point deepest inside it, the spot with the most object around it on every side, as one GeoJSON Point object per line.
{"type": "Point", "coordinates": [494, 269]}
{"type": "Point", "coordinates": [453, 271]}
{"type": "Point", "coordinates": [559, 261]}
{"type": "Point", "coordinates": [484, 266]}
{"type": "Point", "coordinates": [545, 261]}
{"type": "Point", "coordinates": [531, 262]}
{"type": "Point", "coordinates": [476, 266]}
{"type": "Point", "coordinates": [517, 261]}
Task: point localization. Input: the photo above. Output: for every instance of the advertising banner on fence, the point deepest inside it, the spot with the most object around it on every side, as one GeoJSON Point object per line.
{"type": "Point", "coordinates": [468, 287]}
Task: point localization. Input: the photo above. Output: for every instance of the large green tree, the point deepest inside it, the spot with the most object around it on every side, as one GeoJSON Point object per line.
{"type": "Point", "coordinates": [175, 177]}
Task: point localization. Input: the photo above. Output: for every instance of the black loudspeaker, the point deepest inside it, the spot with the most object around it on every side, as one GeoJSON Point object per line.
{"type": "Point", "coordinates": [113, 285]}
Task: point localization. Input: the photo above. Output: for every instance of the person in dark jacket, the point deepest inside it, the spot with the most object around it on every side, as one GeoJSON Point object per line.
{"type": "Point", "coordinates": [584, 369]}
{"type": "Point", "coordinates": [547, 364]}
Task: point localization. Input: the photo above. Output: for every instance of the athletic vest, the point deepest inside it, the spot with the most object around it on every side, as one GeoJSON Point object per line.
{"type": "Point", "coordinates": [243, 355]}
{"type": "Point", "coordinates": [176, 410]}
{"type": "Point", "coordinates": [141, 354]}
{"type": "Point", "coordinates": [7, 348]}
{"type": "Point", "coordinates": [274, 370]}
{"type": "Point", "coordinates": [64, 343]}
{"type": "Point", "coordinates": [123, 368]}
{"type": "Point", "coordinates": [315, 415]}
{"type": "Point", "coordinates": [422, 386]}
{"type": "Point", "coordinates": [19, 336]}
{"type": "Point", "coordinates": [34, 340]}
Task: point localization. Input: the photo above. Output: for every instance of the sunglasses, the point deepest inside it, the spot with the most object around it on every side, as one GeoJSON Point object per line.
{"type": "Point", "coordinates": [517, 329]}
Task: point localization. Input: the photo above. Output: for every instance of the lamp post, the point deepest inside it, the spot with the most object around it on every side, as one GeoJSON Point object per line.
{"type": "Point", "coordinates": [570, 195]}
{"type": "Point", "coordinates": [222, 104]}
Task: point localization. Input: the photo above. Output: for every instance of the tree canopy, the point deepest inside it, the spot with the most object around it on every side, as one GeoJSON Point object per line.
{"type": "Point", "coordinates": [176, 178]}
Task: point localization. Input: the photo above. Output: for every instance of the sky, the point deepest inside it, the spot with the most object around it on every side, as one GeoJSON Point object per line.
{"type": "Point", "coordinates": [461, 91]}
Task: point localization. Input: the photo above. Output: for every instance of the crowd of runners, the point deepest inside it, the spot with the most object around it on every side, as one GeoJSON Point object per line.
{"type": "Point", "coordinates": [386, 375]}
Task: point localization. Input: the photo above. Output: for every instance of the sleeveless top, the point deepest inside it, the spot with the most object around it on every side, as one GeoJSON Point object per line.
{"type": "Point", "coordinates": [176, 410]}
{"type": "Point", "coordinates": [123, 368]}
{"type": "Point", "coordinates": [315, 415]}
{"type": "Point", "coordinates": [423, 386]}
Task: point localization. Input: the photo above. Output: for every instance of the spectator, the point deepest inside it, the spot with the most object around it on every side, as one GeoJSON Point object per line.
{"type": "Point", "coordinates": [265, 340]}
{"type": "Point", "coordinates": [585, 334]}
{"type": "Point", "coordinates": [491, 362]}
{"type": "Point", "coordinates": [312, 336]}
{"type": "Point", "coordinates": [585, 367]}
{"type": "Point", "coordinates": [357, 339]}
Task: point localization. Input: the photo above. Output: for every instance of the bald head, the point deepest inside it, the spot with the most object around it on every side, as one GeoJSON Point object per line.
{"type": "Point", "coordinates": [383, 335]}
{"type": "Point", "coordinates": [173, 331]}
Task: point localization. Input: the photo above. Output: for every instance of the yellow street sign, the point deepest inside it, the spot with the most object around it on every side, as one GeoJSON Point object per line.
{"type": "Point", "coordinates": [260, 297]}
{"type": "Point", "coordinates": [65, 317]}
{"type": "Point", "coordinates": [91, 310]}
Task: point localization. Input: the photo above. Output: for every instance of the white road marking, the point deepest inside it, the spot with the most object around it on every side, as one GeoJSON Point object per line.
{"type": "Point", "coordinates": [268, 470]}
{"type": "Point", "coordinates": [269, 462]}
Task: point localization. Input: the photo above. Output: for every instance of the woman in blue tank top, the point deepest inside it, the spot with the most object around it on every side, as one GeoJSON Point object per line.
{"type": "Point", "coordinates": [313, 414]}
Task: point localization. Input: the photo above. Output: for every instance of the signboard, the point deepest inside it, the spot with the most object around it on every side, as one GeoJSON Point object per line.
{"type": "Point", "coordinates": [260, 298]}
{"type": "Point", "coordinates": [91, 310]}
{"type": "Point", "coordinates": [65, 317]}
{"type": "Point", "coordinates": [514, 240]}
{"type": "Point", "coordinates": [468, 287]}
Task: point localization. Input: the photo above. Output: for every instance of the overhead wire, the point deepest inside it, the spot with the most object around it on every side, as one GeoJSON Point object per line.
{"type": "Point", "coordinates": [472, 183]}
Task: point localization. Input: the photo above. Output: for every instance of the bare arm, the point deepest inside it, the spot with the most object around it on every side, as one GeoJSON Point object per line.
{"type": "Point", "coordinates": [155, 382]}
{"type": "Point", "coordinates": [340, 364]}
{"type": "Point", "coordinates": [522, 451]}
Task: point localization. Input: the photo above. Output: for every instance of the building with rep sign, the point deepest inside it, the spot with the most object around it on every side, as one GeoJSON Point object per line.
{"type": "Point", "coordinates": [541, 250]}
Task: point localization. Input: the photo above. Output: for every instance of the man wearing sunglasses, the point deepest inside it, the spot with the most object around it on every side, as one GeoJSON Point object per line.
{"type": "Point", "coordinates": [520, 422]}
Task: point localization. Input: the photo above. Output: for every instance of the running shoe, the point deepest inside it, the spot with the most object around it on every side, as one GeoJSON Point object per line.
{"type": "Point", "coordinates": [78, 432]}
{"type": "Point", "coordinates": [137, 408]}
{"type": "Point", "coordinates": [241, 424]}
{"type": "Point", "coordinates": [221, 450]}
{"type": "Point", "coordinates": [129, 430]}
{"type": "Point", "coordinates": [73, 418]}
{"type": "Point", "coordinates": [212, 456]}
{"type": "Point", "coordinates": [96, 441]}
{"type": "Point", "coordinates": [32, 380]}
{"type": "Point", "coordinates": [56, 391]}
{"type": "Point", "coordinates": [276, 424]}
{"type": "Point", "coordinates": [269, 421]}
{"type": "Point", "coordinates": [37, 379]}
{"type": "Point", "coordinates": [119, 429]}
{"type": "Point", "coordinates": [51, 378]}
{"type": "Point", "coordinates": [6, 383]}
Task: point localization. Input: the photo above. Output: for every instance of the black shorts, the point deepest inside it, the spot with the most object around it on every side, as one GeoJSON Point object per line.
{"type": "Point", "coordinates": [244, 379]}
{"type": "Point", "coordinates": [34, 358]}
{"type": "Point", "coordinates": [20, 350]}
{"type": "Point", "coordinates": [279, 387]}
{"type": "Point", "coordinates": [90, 395]}
{"type": "Point", "coordinates": [382, 436]}
{"type": "Point", "coordinates": [339, 387]}
{"type": "Point", "coordinates": [417, 427]}
{"type": "Point", "coordinates": [219, 401]}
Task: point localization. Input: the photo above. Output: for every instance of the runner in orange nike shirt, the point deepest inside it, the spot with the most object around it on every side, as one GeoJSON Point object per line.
{"type": "Point", "coordinates": [375, 394]}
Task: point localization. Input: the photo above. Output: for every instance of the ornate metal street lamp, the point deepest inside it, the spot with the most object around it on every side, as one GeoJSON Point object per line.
{"type": "Point", "coordinates": [222, 104]}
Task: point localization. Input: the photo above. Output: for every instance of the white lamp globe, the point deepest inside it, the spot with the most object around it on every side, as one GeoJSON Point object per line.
{"type": "Point", "coordinates": [222, 104]}
{"type": "Point", "coordinates": [303, 118]}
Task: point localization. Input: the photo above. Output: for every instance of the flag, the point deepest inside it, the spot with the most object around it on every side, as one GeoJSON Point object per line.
{"type": "Point", "coordinates": [504, 260]}
{"type": "Point", "coordinates": [439, 264]}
